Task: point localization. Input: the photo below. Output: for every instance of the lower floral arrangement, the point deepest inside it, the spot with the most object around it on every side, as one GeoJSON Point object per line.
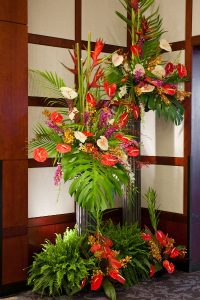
{"type": "Point", "coordinates": [105, 258]}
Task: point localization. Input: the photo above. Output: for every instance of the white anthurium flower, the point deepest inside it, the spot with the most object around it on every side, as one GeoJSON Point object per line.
{"type": "Point", "coordinates": [80, 136]}
{"type": "Point", "coordinates": [126, 67]}
{"type": "Point", "coordinates": [117, 59]}
{"type": "Point", "coordinates": [103, 143]}
{"type": "Point", "coordinates": [122, 91]}
{"type": "Point", "coordinates": [165, 45]}
{"type": "Point", "coordinates": [73, 113]}
{"type": "Point", "coordinates": [68, 92]}
{"type": "Point", "coordinates": [158, 71]}
{"type": "Point", "coordinates": [147, 88]}
{"type": "Point", "coordinates": [111, 121]}
{"type": "Point", "coordinates": [139, 69]}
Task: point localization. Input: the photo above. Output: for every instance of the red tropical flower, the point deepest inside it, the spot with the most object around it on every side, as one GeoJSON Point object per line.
{"type": "Point", "coordinates": [90, 99]}
{"type": "Point", "coordinates": [169, 89]}
{"type": "Point", "coordinates": [83, 283]}
{"type": "Point", "coordinates": [174, 252]}
{"type": "Point", "coordinates": [106, 241]}
{"type": "Point", "coordinates": [87, 133]}
{"type": "Point", "coordinates": [122, 138]}
{"type": "Point", "coordinates": [182, 71]}
{"type": "Point", "coordinates": [168, 266]}
{"type": "Point", "coordinates": [116, 275]}
{"type": "Point", "coordinates": [97, 76]}
{"type": "Point", "coordinates": [169, 68]}
{"type": "Point", "coordinates": [152, 270]}
{"type": "Point", "coordinates": [75, 61]}
{"type": "Point", "coordinates": [145, 236]}
{"type": "Point", "coordinates": [115, 264]}
{"type": "Point", "coordinates": [161, 237]}
{"type": "Point", "coordinates": [63, 148]}
{"type": "Point", "coordinates": [96, 248]}
{"type": "Point", "coordinates": [109, 160]}
{"type": "Point", "coordinates": [96, 281]}
{"type": "Point", "coordinates": [136, 111]}
{"type": "Point", "coordinates": [123, 120]}
{"type": "Point", "coordinates": [56, 117]}
{"type": "Point", "coordinates": [110, 89]}
{"type": "Point", "coordinates": [136, 50]}
{"type": "Point", "coordinates": [40, 154]}
{"type": "Point", "coordinates": [97, 50]}
{"type": "Point", "coordinates": [132, 151]}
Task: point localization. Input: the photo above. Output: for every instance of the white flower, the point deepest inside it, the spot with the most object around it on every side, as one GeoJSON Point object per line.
{"type": "Point", "coordinates": [123, 91]}
{"type": "Point", "coordinates": [117, 59]}
{"type": "Point", "coordinates": [102, 143]}
{"type": "Point", "coordinates": [126, 67]}
{"type": "Point", "coordinates": [73, 113]}
{"type": "Point", "coordinates": [139, 70]}
{"type": "Point", "coordinates": [80, 136]}
{"type": "Point", "coordinates": [159, 71]}
{"type": "Point", "coordinates": [68, 92]}
{"type": "Point", "coordinates": [111, 121]}
{"type": "Point", "coordinates": [147, 88]}
{"type": "Point", "coordinates": [165, 45]}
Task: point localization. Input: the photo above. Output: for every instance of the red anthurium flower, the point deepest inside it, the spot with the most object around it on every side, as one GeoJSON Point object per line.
{"type": "Point", "coordinates": [63, 148]}
{"type": "Point", "coordinates": [95, 248]}
{"type": "Point", "coordinates": [174, 252]}
{"type": "Point", "coordinates": [169, 89]}
{"type": "Point", "coordinates": [132, 151]}
{"type": "Point", "coordinates": [169, 68]}
{"type": "Point", "coordinates": [116, 264]}
{"type": "Point", "coordinates": [40, 154]}
{"type": "Point", "coordinates": [56, 117]}
{"type": "Point", "coordinates": [136, 111]}
{"type": "Point", "coordinates": [96, 281]}
{"type": "Point", "coordinates": [122, 138]}
{"type": "Point", "coordinates": [145, 236]}
{"type": "Point", "coordinates": [106, 241]}
{"type": "Point", "coordinates": [152, 270]}
{"type": "Point", "coordinates": [83, 283]}
{"type": "Point", "coordinates": [110, 89]}
{"type": "Point", "coordinates": [90, 99]}
{"type": "Point", "coordinates": [182, 71]}
{"type": "Point", "coordinates": [87, 133]}
{"type": "Point", "coordinates": [161, 237]}
{"type": "Point", "coordinates": [109, 160]}
{"type": "Point", "coordinates": [97, 50]}
{"type": "Point", "coordinates": [116, 275]}
{"type": "Point", "coordinates": [123, 119]}
{"type": "Point", "coordinates": [136, 50]}
{"type": "Point", "coordinates": [168, 266]}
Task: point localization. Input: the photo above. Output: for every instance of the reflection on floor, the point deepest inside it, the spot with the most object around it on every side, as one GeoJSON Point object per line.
{"type": "Point", "coordinates": [179, 285]}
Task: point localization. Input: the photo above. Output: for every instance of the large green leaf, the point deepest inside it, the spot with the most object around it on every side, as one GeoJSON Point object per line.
{"type": "Point", "coordinates": [94, 185]}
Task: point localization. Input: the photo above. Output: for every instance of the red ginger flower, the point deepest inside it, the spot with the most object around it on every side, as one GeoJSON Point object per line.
{"type": "Point", "coordinates": [96, 280]}
{"type": "Point", "coordinates": [110, 89]}
{"type": "Point", "coordinates": [40, 154]}
{"type": "Point", "coordinates": [63, 148]}
{"type": "Point", "coordinates": [136, 50]}
{"type": "Point", "coordinates": [97, 50]}
{"type": "Point", "coordinates": [182, 71]}
{"type": "Point", "coordinates": [114, 273]}
{"type": "Point", "coordinates": [56, 117]}
{"type": "Point", "coordinates": [97, 76]}
{"type": "Point", "coordinates": [168, 266]}
{"type": "Point", "coordinates": [152, 270]}
{"type": "Point", "coordinates": [109, 160]}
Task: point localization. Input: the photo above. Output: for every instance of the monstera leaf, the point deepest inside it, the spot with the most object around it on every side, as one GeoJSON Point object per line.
{"type": "Point", "coordinates": [93, 185]}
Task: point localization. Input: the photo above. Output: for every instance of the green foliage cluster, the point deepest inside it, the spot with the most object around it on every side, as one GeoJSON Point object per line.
{"type": "Point", "coordinates": [128, 242]}
{"type": "Point", "coordinates": [59, 268]}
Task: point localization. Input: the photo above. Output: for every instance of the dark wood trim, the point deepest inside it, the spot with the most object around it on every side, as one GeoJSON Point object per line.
{"type": "Point", "coordinates": [50, 41]}
{"type": "Point", "coordinates": [51, 220]}
{"type": "Point", "coordinates": [196, 40]}
{"type": "Point", "coordinates": [78, 20]}
{"type": "Point", "coordinates": [107, 47]}
{"type": "Point", "coordinates": [14, 231]}
{"type": "Point", "coordinates": [1, 220]}
{"type": "Point", "coordinates": [169, 216]}
{"type": "Point", "coordinates": [41, 102]}
{"type": "Point", "coordinates": [177, 46]}
{"type": "Point", "coordinates": [163, 160]}
{"type": "Point", "coordinates": [34, 164]}
{"type": "Point", "coordinates": [13, 288]}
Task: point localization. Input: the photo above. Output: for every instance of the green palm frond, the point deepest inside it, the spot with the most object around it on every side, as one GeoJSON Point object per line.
{"type": "Point", "coordinates": [50, 84]}
{"type": "Point", "coordinates": [94, 185]}
{"type": "Point", "coordinates": [46, 138]}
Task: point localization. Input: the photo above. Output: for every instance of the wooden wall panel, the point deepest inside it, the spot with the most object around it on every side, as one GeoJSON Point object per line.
{"type": "Point", "coordinates": [13, 91]}
{"type": "Point", "coordinates": [15, 189]}
{"type": "Point", "coordinates": [15, 258]}
{"type": "Point", "coordinates": [13, 11]}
